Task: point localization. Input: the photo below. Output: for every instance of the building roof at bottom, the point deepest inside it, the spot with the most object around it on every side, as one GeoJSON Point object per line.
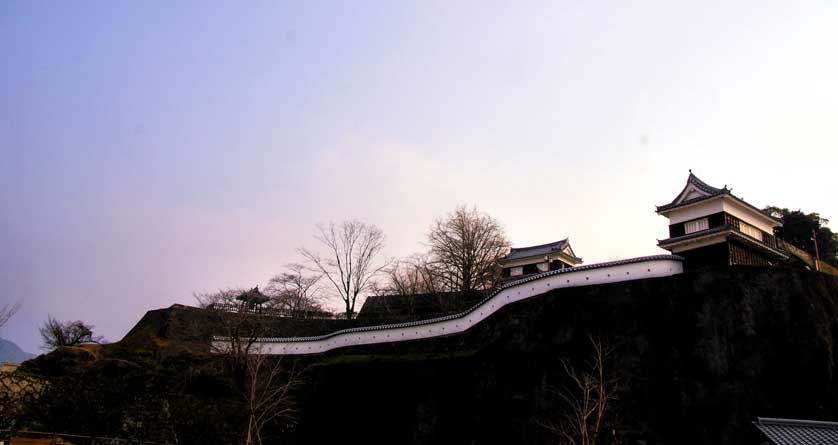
{"type": "Point", "coordinates": [798, 432]}
{"type": "Point", "coordinates": [417, 306]}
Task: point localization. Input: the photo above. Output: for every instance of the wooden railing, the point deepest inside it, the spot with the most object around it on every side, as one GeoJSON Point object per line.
{"type": "Point", "coordinates": [766, 238]}
{"type": "Point", "coordinates": [245, 308]}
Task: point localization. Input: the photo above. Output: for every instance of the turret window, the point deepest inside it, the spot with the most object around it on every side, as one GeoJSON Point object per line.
{"type": "Point", "coordinates": [750, 230]}
{"type": "Point", "coordinates": [696, 226]}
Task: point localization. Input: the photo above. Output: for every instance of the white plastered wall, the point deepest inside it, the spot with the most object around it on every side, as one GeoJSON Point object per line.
{"type": "Point", "coordinates": [647, 267]}
{"type": "Point", "coordinates": [723, 204]}
{"type": "Point", "coordinates": [694, 211]}
{"type": "Point", "coordinates": [750, 216]}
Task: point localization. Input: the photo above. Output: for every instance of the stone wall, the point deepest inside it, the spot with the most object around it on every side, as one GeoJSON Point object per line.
{"type": "Point", "coordinates": [700, 355]}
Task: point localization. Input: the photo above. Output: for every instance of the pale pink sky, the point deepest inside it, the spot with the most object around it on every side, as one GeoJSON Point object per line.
{"type": "Point", "coordinates": [150, 150]}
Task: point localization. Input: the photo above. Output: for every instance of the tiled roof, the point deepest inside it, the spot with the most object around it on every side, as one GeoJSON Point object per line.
{"type": "Point", "coordinates": [542, 249]}
{"type": "Point", "coordinates": [693, 179]}
{"type": "Point", "coordinates": [700, 234]}
{"type": "Point", "coordinates": [726, 228]}
{"type": "Point", "coordinates": [712, 192]}
{"type": "Point", "coordinates": [417, 306]}
{"type": "Point", "coordinates": [253, 296]}
{"type": "Point", "coordinates": [798, 432]}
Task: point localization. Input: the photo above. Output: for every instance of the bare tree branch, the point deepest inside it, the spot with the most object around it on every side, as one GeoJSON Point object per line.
{"type": "Point", "coordinates": [296, 291]}
{"type": "Point", "coordinates": [268, 392]}
{"type": "Point", "coordinates": [7, 311]}
{"type": "Point", "coordinates": [352, 249]}
{"type": "Point", "coordinates": [219, 297]}
{"type": "Point", "coordinates": [465, 247]}
{"type": "Point", "coordinates": [56, 334]}
{"type": "Point", "coordinates": [413, 275]}
{"type": "Point", "coordinates": [588, 399]}
{"type": "Point", "coordinates": [264, 382]}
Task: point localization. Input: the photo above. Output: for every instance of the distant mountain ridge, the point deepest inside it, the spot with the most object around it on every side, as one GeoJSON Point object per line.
{"type": "Point", "coordinates": [11, 353]}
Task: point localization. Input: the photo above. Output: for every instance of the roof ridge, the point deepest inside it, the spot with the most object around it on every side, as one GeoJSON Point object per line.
{"type": "Point", "coordinates": [693, 179]}
{"type": "Point", "coordinates": [541, 245]}
{"type": "Point", "coordinates": [796, 422]}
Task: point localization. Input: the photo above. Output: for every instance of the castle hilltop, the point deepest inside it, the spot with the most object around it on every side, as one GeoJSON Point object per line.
{"type": "Point", "coordinates": [708, 227]}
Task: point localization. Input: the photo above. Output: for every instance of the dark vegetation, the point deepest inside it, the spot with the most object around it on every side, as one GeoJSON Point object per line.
{"type": "Point", "coordinates": [698, 356]}
{"type": "Point", "coordinates": [162, 382]}
{"type": "Point", "coordinates": [798, 229]}
{"type": "Point", "coordinates": [56, 334]}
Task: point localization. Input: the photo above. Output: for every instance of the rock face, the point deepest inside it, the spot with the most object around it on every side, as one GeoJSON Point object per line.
{"type": "Point", "coordinates": [699, 356]}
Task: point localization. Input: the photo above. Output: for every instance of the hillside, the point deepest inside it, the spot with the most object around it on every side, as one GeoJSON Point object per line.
{"type": "Point", "coordinates": [11, 352]}
{"type": "Point", "coordinates": [699, 355]}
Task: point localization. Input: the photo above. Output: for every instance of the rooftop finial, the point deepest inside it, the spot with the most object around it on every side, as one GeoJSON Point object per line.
{"type": "Point", "coordinates": [691, 171]}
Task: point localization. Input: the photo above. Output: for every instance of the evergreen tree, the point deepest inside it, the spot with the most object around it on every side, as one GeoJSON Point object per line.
{"type": "Point", "coordinates": [798, 228]}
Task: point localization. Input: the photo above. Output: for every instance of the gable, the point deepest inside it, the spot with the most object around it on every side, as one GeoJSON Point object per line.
{"type": "Point", "coordinates": [690, 192]}
{"type": "Point", "coordinates": [695, 190]}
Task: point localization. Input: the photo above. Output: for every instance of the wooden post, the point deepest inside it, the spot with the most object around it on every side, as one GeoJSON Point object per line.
{"type": "Point", "coordinates": [817, 255]}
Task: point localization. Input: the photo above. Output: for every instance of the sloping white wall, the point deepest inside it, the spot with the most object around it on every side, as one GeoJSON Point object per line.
{"type": "Point", "coordinates": [611, 272]}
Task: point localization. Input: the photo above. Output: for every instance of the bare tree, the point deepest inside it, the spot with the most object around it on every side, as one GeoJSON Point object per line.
{"type": "Point", "coordinates": [295, 291]}
{"type": "Point", "coordinates": [7, 311]}
{"type": "Point", "coordinates": [465, 246]}
{"type": "Point", "coordinates": [588, 400]}
{"type": "Point", "coordinates": [352, 249]}
{"type": "Point", "coordinates": [267, 392]}
{"type": "Point", "coordinates": [418, 277]}
{"type": "Point", "coordinates": [263, 382]}
{"type": "Point", "coordinates": [413, 275]}
{"type": "Point", "coordinates": [219, 297]}
{"type": "Point", "coordinates": [56, 334]}
{"type": "Point", "coordinates": [404, 280]}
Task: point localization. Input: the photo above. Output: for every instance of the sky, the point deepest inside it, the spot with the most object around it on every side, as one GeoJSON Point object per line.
{"type": "Point", "coordinates": [150, 150]}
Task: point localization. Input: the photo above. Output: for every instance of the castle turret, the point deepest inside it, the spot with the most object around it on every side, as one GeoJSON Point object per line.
{"type": "Point", "coordinates": [709, 226]}
{"type": "Point", "coordinates": [523, 261]}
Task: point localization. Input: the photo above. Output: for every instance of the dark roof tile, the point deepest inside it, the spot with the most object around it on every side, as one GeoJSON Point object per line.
{"type": "Point", "coordinates": [417, 306]}
{"type": "Point", "coordinates": [541, 249]}
{"type": "Point", "coordinates": [253, 296]}
{"type": "Point", "coordinates": [712, 192]}
{"type": "Point", "coordinates": [798, 432]}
